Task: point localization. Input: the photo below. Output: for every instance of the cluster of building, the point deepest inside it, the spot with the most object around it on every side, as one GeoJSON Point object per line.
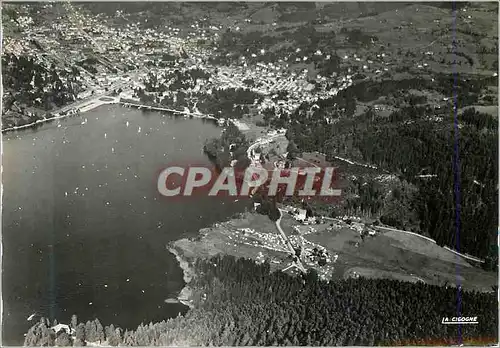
{"type": "Point", "coordinates": [74, 37]}
{"type": "Point", "coordinates": [251, 237]}
{"type": "Point", "coordinates": [312, 254]}
{"type": "Point", "coordinates": [273, 78]}
{"type": "Point", "coordinates": [304, 231]}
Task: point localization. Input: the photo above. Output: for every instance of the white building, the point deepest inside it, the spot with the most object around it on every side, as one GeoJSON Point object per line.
{"type": "Point", "coordinates": [300, 215]}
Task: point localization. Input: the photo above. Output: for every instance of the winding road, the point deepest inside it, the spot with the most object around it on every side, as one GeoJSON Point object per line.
{"type": "Point", "coordinates": [299, 263]}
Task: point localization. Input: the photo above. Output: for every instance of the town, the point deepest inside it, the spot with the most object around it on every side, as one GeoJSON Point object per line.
{"type": "Point", "coordinates": [175, 67]}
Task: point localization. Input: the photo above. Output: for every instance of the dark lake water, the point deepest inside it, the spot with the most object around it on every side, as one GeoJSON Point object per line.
{"type": "Point", "coordinates": [84, 228]}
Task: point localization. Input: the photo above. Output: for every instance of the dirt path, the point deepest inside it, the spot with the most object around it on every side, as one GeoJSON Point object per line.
{"type": "Point", "coordinates": [287, 241]}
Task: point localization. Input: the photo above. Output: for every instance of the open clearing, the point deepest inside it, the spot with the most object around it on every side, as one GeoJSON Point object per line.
{"type": "Point", "coordinates": [423, 247]}
{"type": "Point", "coordinates": [400, 256]}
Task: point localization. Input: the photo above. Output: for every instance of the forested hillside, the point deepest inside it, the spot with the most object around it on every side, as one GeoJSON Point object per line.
{"type": "Point", "coordinates": [32, 89]}
{"type": "Point", "coordinates": [412, 141]}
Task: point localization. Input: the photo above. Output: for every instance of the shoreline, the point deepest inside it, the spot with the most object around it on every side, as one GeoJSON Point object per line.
{"type": "Point", "coordinates": [33, 124]}
{"type": "Point", "coordinates": [184, 295]}
{"type": "Point", "coordinates": [129, 104]}
{"type": "Point", "coordinates": [86, 106]}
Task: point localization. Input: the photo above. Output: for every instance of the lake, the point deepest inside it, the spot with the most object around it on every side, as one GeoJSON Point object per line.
{"type": "Point", "coordinates": [84, 228]}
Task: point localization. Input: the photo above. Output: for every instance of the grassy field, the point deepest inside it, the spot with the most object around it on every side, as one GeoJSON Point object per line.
{"type": "Point", "coordinates": [490, 109]}
{"type": "Point", "coordinates": [400, 256]}
{"type": "Point", "coordinates": [235, 237]}
{"type": "Point", "coordinates": [421, 28]}
{"type": "Point", "coordinates": [423, 247]}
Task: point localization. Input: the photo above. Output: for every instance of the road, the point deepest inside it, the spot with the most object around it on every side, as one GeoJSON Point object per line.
{"type": "Point", "coordinates": [314, 164]}
{"type": "Point", "coordinates": [250, 149]}
{"type": "Point", "coordinates": [465, 256]}
{"type": "Point", "coordinates": [261, 142]}
{"type": "Point", "coordinates": [287, 241]}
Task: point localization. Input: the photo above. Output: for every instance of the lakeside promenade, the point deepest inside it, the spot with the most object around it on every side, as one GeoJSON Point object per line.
{"type": "Point", "coordinates": [103, 100]}
{"type": "Point", "coordinates": [174, 111]}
